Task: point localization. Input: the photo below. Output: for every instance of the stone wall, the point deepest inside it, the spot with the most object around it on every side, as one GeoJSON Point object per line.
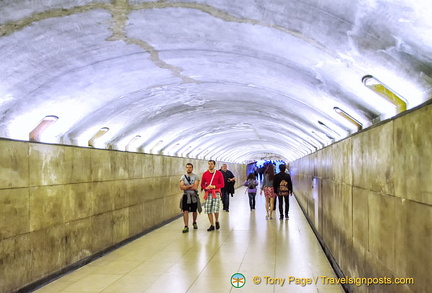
{"type": "Point", "coordinates": [60, 205]}
{"type": "Point", "coordinates": [370, 199]}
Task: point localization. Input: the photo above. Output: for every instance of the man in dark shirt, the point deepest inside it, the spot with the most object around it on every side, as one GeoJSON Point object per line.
{"type": "Point", "coordinates": [229, 186]}
{"type": "Point", "coordinates": [283, 191]}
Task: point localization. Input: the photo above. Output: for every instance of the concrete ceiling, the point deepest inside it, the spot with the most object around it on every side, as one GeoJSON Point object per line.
{"type": "Point", "coordinates": [231, 80]}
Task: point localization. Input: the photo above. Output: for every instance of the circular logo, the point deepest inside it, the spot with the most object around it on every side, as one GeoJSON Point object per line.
{"type": "Point", "coordinates": [238, 280]}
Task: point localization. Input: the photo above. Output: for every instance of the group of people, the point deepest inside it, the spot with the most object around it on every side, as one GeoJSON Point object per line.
{"type": "Point", "coordinates": [217, 184]}
{"type": "Point", "coordinates": [274, 186]}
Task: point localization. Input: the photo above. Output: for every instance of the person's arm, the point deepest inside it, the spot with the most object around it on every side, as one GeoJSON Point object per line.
{"type": "Point", "coordinates": [203, 181]}
{"type": "Point", "coordinates": [183, 186]}
{"type": "Point", "coordinates": [276, 182]}
{"type": "Point", "coordinates": [290, 186]}
{"type": "Point", "coordinates": [232, 177]}
{"type": "Point", "coordinates": [196, 184]}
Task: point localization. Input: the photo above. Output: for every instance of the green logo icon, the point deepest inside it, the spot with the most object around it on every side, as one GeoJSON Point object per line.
{"type": "Point", "coordinates": [238, 280]}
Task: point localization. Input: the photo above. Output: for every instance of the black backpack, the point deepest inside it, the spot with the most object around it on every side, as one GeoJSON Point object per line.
{"type": "Point", "coordinates": [251, 184]}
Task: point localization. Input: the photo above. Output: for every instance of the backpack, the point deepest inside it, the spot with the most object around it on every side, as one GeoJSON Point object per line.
{"type": "Point", "coordinates": [251, 184]}
{"type": "Point", "coordinates": [283, 188]}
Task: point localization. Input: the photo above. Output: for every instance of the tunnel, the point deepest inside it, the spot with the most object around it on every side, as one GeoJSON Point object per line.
{"type": "Point", "coordinates": [104, 102]}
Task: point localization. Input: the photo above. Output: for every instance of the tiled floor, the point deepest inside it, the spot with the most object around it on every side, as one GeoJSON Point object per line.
{"type": "Point", "coordinates": [165, 260]}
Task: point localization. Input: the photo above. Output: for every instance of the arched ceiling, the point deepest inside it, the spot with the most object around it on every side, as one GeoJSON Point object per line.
{"type": "Point", "coordinates": [231, 80]}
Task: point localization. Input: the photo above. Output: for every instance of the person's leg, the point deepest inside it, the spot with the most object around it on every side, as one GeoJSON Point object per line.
{"type": "Point", "coordinates": [224, 199]}
{"type": "Point", "coordinates": [227, 199]}
{"type": "Point", "coordinates": [271, 207]}
{"type": "Point", "coordinates": [194, 217]}
{"type": "Point", "coordinates": [210, 217]}
{"type": "Point", "coordinates": [217, 221]}
{"type": "Point", "coordinates": [253, 200]}
{"type": "Point", "coordinates": [286, 206]}
{"type": "Point", "coordinates": [186, 218]}
{"type": "Point", "coordinates": [267, 205]}
{"type": "Point", "coordinates": [281, 214]}
{"type": "Point", "coordinates": [250, 195]}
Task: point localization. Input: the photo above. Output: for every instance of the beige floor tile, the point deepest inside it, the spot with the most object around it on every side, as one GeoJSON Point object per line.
{"type": "Point", "coordinates": [131, 284]}
{"type": "Point", "coordinates": [55, 286]}
{"type": "Point", "coordinates": [93, 282]}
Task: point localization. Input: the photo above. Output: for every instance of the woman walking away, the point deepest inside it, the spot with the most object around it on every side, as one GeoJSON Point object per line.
{"type": "Point", "coordinates": [269, 193]}
{"type": "Point", "coordinates": [251, 184]}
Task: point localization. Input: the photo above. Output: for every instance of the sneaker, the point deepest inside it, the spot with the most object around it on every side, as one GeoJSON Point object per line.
{"type": "Point", "coordinates": [185, 230]}
{"type": "Point", "coordinates": [286, 217]}
{"type": "Point", "coordinates": [281, 218]}
{"type": "Point", "coordinates": [195, 225]}
{"type": "Point", "coordinates": [211, 228]}
{"type": "Point", "coordinates": [217, 226]}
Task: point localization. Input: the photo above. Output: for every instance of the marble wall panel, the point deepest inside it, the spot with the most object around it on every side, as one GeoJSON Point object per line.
{"type": "Point", "coordinates": [48, 250]}
{"type": "Point", "coordinates": [102, 231]}
{"type": "Point", "coordinates": [47, 206]}
{"type": "Point", "coordinates": [123, 193]}
{"type": "Point", "coordinates": [413, 238]}
{"type": "Point", "coordinates": [137, 218]}
{"type": "Point", "coordinates": [79, 201]}
{"type": "Point", "coordinates": [79, 240]}
{"type": "Point", "coordinates": [373, 155]}
{"type": "Point", "coordinates": [14, 215]}
{"type": "Point", "coordinates": [119, 165]}
{"type": "Point", "coordinates": [382, 226]}
{"type": "Point", "coordinates": [152, 188]}
{"type": "Point", "coordinates": [150, 210]}
{"type": "Point", "coordinates": [81, 168]}
{"type": "Point", "coordinates": [328, 201]}
{"type": "Point", "coordinates": [16, 262]}
{"type": "Point", "coordinates": [159, 211]}
{"type": "Point", "coordinates": [100, 165]}
{"type": "Point", "coordinates": [361, 216]}
{"type": "Point", "coordinates": [148, 166]}
{"type": "Point", "coordinates": [138, 191]}
{"type": "Point", "coordinates": [135, 165]}
{"type": "Point", "coordinates": [47, 164]}
{"type": "Point", "coordinates": [14, 168]}
{"type": "Point", "coordinates": [413, 145]}
{"type": "Point", "coordinates": [341, 162]}
{"type": "Point", "coordinates": [171, 206]}
{"type": "Point", "coordinates": [157, 166]}
{"type": "Point", "coordinates": [121, 225]}
{"type": "Point", "coordinates": [102, 197]}
{"type": "Point", "coordinates": [345, 224]}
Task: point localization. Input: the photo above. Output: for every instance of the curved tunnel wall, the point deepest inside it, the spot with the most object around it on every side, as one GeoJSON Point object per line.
{"type": "Point", "coordinates": [369, 198]}
{"type": "Point", "coordinates": [60, 205]}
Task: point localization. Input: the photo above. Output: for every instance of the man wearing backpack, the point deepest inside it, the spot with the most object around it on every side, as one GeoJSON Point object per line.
{"type": "Point", "coordinates": [282, 185]}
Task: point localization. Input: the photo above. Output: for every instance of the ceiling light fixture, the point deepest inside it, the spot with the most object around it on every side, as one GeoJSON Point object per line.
{"type": "Point", "coordinates": [382, 90]}
{"type": "Point", "coordinates": [348, 117]}
{"type": "Point", "coordinates": [100, 133]}
{"type": "Point", "coordinates": [328, 128]}
{"type": "Point", "coordinates": [131, 142]}
{"type": "Point", "coordinates": [48, 120]}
